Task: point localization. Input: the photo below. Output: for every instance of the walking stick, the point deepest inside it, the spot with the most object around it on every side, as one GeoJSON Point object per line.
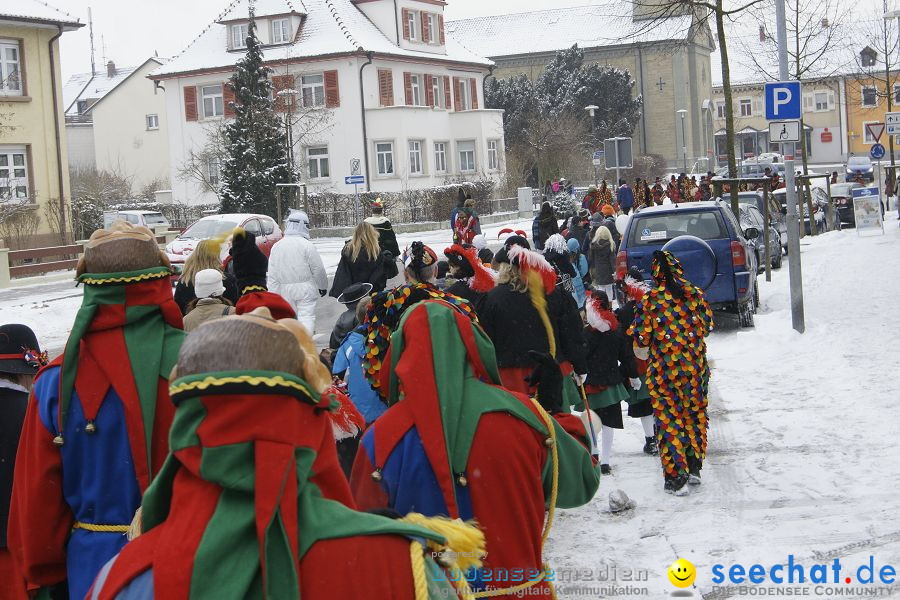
{"type": "Point", "coordinates": [595, 452]}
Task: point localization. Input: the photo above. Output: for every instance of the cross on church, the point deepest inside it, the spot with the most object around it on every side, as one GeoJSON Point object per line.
{"type": "Point", "coordinates": [660, 84]}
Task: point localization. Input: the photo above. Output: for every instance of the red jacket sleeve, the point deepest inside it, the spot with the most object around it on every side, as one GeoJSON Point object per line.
{"type": "Point", "coordinates": [39, 518]}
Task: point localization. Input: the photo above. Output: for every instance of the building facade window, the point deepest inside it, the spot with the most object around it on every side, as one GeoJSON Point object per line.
{"type": "Point", "coordinates": [384, 156]}
{"type": "Point", "coordinates": [869, 96]}
{"type": "Point", "coordinates": [440, 157]}
{"type": "Point", "coordinates": [720, 109]}
{"type": "Point", "coordinates": [466, 151]}
{"type": "Point", "coordinates": [317, 160]}
{"type": "Point", "coordinates": [13, 173]}
{"type": "Point", "coordinates": [239, 35]}
{"type": "Point", "coordinates": [281, 31]}
{"type": "Point", "coordinates": [214, 171]}
{"type": "Point", "coordinates": [493, 155]}
{"type": "Point", "coordinates": [465, 95]}
{"type": "Point", "coordinates": [213, 103]}
{"type": "Point", "coordinates": [415, 157]}
{"type": "Point", "coordinates": [746, 107]}
{"type": "Point", "coordinates": [821, 99]}
{"type": "Point", "coordinates": [312, 89]}
{"type": "Point", "coordinates": [437, 91]}
{"type": "Point", "coordinates": [152, 122]}
{"type": "Point", "coordinates": [10, 69]}
{"type": "Point", "coordinates": [431, 20]}
{"type": "Point", "coordinates": [415, 83]}
{"type": "Point", "coordinates": [896, 93]}
{"type": "Point", "coordinates": [412, 21]}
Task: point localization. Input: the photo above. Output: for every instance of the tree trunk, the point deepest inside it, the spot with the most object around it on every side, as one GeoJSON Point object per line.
{"type": "Point", "coordinates": [729, 111]}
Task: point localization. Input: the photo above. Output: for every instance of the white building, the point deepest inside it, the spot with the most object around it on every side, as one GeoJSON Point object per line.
{"type": "Point", "coordinates": [374, 80]}
{"type": "Point", "coordinates": [115, 121]}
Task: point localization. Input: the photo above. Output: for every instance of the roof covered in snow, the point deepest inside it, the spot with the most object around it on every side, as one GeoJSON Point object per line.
{"type": "Point", "coordinates": [331, 27]}
{"type": "Point", "coordinates": [84, 86]}
{"type": "Point", "coordinates": [606, 24]}
{"type": "Point", "coordinates": [37, 11]}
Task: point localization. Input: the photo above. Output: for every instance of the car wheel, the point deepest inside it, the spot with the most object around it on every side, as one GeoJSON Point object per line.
{"type": "Point", "coordinates": [745, 313]}
{"type": "Point", "coordinates": [776, 262]}
{"type": "Point", "coordinates": [755, 296]}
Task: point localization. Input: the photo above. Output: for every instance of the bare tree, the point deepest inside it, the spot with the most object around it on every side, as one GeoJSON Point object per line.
{"type": "Point", "coordinates": [56, 213]}
{"type": "Point", "coordinates": [196, 167]}
{"type": "Point", "coordinates": [19, 225]}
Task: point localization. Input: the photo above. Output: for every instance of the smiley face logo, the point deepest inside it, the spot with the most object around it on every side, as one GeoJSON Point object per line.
{"type": "Point", "coordinates": [682, 573]}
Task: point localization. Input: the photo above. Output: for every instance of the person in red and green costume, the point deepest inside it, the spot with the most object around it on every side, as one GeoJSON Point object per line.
{"type": "Point", "coordinates": [95, 430]}
{"type": "Point", "coordinates": [670, 325]}
{"type": "Point", "coordinates": [456, 443]}
{"type": "Point", "coordinates": [251, 502]}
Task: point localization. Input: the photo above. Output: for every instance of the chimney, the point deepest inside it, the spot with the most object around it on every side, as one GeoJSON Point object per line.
{"type": "Point", "coordinates": [110, 69]}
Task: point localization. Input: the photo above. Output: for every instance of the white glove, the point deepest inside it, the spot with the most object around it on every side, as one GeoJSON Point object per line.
{"type": "Point", "coordinates": [635, 383]}
{"type": "Point", "coordinates": [580, 379]}
{"type": "Point", "coordinates": [642, 353]}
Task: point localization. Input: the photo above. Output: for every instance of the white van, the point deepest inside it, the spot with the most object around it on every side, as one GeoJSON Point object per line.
{"type": "Point", "coordinates": [148, 218]}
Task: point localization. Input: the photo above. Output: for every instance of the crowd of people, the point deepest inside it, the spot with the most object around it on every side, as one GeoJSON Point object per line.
{"type": "Point", "coordinates": [200, 445]}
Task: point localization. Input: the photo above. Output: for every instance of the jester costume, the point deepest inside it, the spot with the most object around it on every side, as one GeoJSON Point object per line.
{"type": "Point", "coordinates": [456, 443]}
{"type": "Point", "coordinates": [251, 502]}
{"type": "Point", "coordinates": [95, 431]}
{"type": "Point", "coordinates": [670, 326]}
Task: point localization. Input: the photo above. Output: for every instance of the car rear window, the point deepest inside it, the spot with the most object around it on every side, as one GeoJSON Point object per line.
{"type": "Point", "coordinates": [658, 229]}
{"type": "Point", "coordinates": [208, 228]}
{"type": "Point", "coordinates": [154, 218]}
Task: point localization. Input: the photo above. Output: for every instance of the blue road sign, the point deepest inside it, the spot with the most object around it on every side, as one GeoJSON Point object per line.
{"type": "Point", "coordinates": [864, 192]}
{"type": "Point", "coordinates": [355, 179]}
{"type": "Point", "coordinates": [598, 154]}
{"type": "Point", "coordinates": [783, 100]}
{"type": "Point", "coordinates": [877, 151]}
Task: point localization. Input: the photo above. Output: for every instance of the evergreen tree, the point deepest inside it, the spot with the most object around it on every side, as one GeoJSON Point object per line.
{"type": "Point", "coordinates": [254, 142]}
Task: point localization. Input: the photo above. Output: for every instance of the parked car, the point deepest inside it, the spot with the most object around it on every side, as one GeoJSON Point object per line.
{"type": "Point", "coordinates": [708, 240]}
{"type": "Point", "coordinates": [842, 201]}
{"type": "Point", "coordinates": [859, 166]}
{"type": "Point", "coordinates": [264, 228]}
{"type": "Point", "coordinates": [822, 211]}
{"type": "Point", "coordinates": [752, 169]}
{"type": "Point", "coordinates": [776, 217]}
{"type": "Point", "coordinates": [752, 217]}
{"type": "Point", "coordinates": [148, 218]}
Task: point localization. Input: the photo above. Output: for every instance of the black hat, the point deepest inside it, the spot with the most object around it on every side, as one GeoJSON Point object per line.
{"type": "Point", "coordinates": [250, 264]}
{"type": "Point", "coordinates": [354, 293]}
{"type": "Point", "coordinates": [502, 255]}
{"type": "Point", "coordinates": [19, 350]}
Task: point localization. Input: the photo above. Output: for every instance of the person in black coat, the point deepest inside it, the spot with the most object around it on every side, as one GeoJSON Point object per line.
{"type": "Point", "coordinates": [610, 363]}
{"type": "Point", "coordinates": [20, 360]}
{"type": "Point", "coordinates": [363, 261]}
{"type": "Point", "coordinates": [544, 225]}
{"type": "Point", "coordinates": [513, 323]}
{"type": "Point", "coordinates": [387, 239]}
{"type": "Point", "coordinates": [580, 227]}
{"type": "Point", "coordinates": [249, 263]}
{"type": "Point", "coordinates": [473, 279]}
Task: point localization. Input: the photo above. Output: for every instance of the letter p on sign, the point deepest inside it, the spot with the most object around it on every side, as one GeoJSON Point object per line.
{"type": "Point", "coordinates": [783, 100]}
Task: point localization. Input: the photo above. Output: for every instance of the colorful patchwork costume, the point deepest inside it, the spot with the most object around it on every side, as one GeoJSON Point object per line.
{"type": "Point", "coordinates": [251, 503]}
{"type": "Point", "coordinates": [455, 443]}
{"type": "Point", "coordinates": [672, 321]}
{"type": "Point", "coordinates": [96, 429]}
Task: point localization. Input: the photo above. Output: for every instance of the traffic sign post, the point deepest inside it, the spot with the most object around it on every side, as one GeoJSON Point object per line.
{"type": "Point", "coordinates": [892, 123]}
{"type": "Point", "coordinates": [355, 180]}
{"type": "Point", "coordinates": [784, 131]}
{"type": "Point", "coordinates": [875, 130]}
{"type": "Point", "coordinates": [617, 152]}
{"type": "Point", "coordinates": [876, 151]}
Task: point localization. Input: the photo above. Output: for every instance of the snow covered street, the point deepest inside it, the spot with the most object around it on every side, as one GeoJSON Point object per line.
{"type": "Point", "coordinates": [802, 450]}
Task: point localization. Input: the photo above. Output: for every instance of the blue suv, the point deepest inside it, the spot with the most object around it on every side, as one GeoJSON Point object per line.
{"type": "Point", "coordinates": [708, 241]}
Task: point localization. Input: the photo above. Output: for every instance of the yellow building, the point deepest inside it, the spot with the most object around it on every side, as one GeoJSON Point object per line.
{"type": "Point", "coordinates": [34, 180]}
{"type": "Point", "coordinates": [867, 102]}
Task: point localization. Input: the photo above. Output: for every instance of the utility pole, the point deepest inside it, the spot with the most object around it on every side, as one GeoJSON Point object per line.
{"type": "Point", "coordinates": [890, 92]}
{"type": "Point", "coordinates": [797, 317]}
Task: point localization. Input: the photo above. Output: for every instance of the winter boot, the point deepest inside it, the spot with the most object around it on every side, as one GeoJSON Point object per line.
{"type": "Point", "coordinates": [605, 470]}
{"type": "Point", "coordinates": [677, 485]}
{"type": "Point", "coordinates": [650, 447]}
{"type": "Point", "coordinates": [694, 466]}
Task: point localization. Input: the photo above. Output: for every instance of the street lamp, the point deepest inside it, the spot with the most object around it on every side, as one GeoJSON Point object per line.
{"type": "Point", "coordinates": [683, 114]}
{"type": "Point", "coordinates": [287, 98]}
{"type": "Point", "coordinates": [591, 108]}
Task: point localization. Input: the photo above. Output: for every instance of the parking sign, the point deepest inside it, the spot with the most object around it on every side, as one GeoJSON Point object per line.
{"type": "Point", "coordinates": [783, 100]}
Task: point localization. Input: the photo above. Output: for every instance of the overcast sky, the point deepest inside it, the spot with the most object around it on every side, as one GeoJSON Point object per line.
{"type": "Point", "coordinates": [132, 31]}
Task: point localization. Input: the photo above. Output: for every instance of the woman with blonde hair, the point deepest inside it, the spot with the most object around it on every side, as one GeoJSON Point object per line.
{"type": "Point", "coordinates": [205, 256]}
{"type": "Point", "coordinates": [602, 260]}
{"type": "Point", "coordinates": [363, 261]}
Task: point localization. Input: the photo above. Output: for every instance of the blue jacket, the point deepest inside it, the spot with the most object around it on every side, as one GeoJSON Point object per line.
{"type": "Point", "coordinates": [349, 357]}
{"type": "Point", "coordinates": [625, 197]}
{"type": "Point", "coordinates": [581, 269]}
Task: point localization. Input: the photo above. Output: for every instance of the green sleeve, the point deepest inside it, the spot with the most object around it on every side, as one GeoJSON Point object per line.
{"type": "Point", "coordinates": [579, 478]}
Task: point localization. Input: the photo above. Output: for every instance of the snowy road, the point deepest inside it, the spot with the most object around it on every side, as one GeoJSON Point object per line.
{"type": "Point", "coordinates": [803, 456]}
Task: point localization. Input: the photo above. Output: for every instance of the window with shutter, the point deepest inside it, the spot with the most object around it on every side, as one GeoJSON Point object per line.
{"type": "Point", "coordinates": [407, 88]}
{"type": "Point", "coordinates": [279, 84]}
{"type": "Point", "coordinates": [474, 85]}
{"type": "Point", "coordinates": [190, 103]}
{"type": "Point", "coordinates": [405, 23]}
{"type": "Point", "coordinates": [228, 99]}
{"type": "Point", "coordinates": [332, 91]}
{"type": "Point", "coordinates": [447, 92]}
{"type": "Point", "coordinates": [429, 91]}
{"type": "Point", "coordinates": [830, 100]}
{"type": "Point", "coordinates": [441, 28]}
{"type": "Point", "coordinates": [385, 87]}
{"type": "Point", "coordinates": [425, 32]}
{"type": "Point", "coordinates": [456, 82]}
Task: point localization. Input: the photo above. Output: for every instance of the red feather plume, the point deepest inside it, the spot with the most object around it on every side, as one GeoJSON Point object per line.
{"type": "Point", "coordinates": [484, 280]}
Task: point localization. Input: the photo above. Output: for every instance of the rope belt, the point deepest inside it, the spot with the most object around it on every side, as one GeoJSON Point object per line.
{"type": "Point", "coordinates": [101, 528]}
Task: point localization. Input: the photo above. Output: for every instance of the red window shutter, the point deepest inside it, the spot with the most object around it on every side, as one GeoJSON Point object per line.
{"type": "Point", "coordinates": [429, 91]}
{"type": "Point", "coordinates": [386, 87]}
{"type": "Point", "coordinates": [447, 92]}
{"type": "Point", "coordinates": [228, 98]}
{"type": "Point", "coordinates": [190, 103]}
{"type": "Point", "coordinates": [407, 88]}
{"type": "Point", "coordinates": [425, 33]}
{"type": "Point", "coordinates": [441, 28]}
{"type": "Point", "coordinates": [332, 91]}
{"type": "Point", "coordinates": [405, 15]}
{"type": "Point", "coordinates": [280, 83]}
{"type": "Point", "coordinates": [473, 83]}
{"type": "Point", "coordinates": [456, 93]}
